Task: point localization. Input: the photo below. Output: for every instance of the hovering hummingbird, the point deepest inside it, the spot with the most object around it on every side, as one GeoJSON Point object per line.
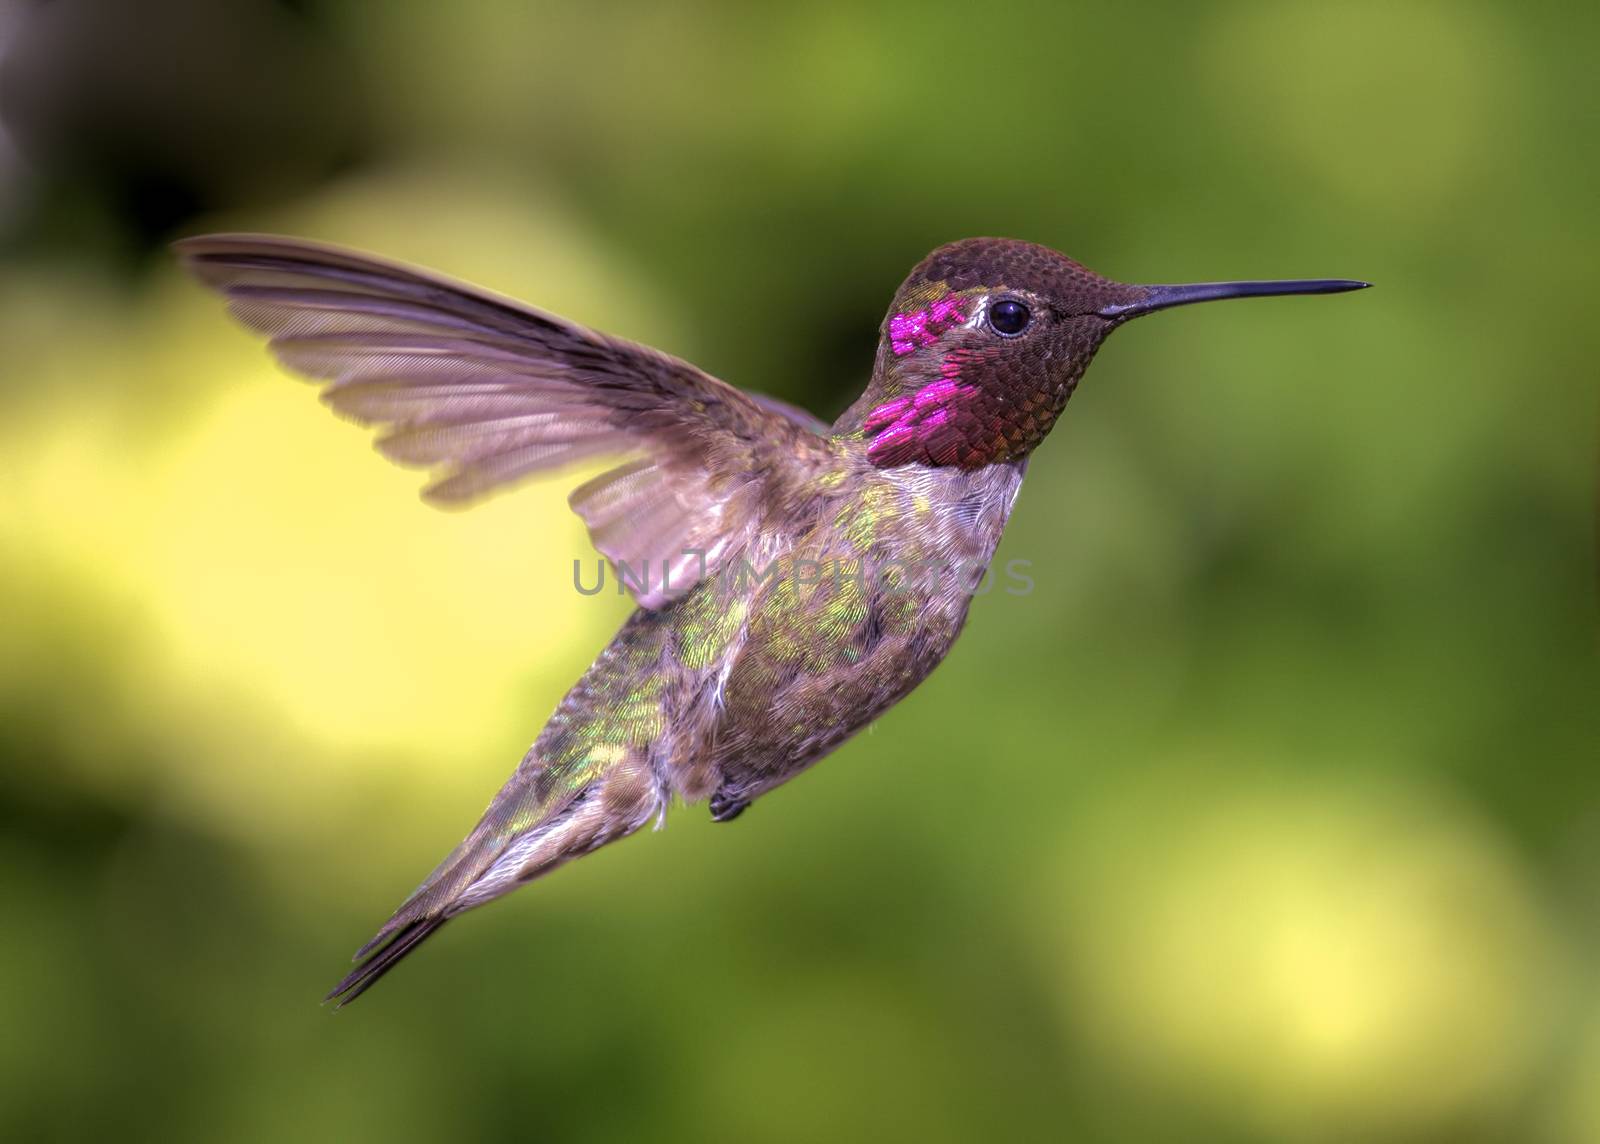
{"type": "Point", "coordinates": [794, 579]}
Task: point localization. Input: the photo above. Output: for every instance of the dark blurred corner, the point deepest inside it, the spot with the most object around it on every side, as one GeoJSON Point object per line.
{"type": "Point", "coordinates": [128, 118]}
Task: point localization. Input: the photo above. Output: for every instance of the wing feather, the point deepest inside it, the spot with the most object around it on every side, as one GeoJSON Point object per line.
{"type": "Point", "coordinates": [486, 392]}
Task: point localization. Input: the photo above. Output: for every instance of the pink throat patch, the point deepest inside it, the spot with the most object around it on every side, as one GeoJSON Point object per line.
{"type": "Point", "coordinates": [907, 332]}
{"type": "Point", "coordinates": [925, 425]}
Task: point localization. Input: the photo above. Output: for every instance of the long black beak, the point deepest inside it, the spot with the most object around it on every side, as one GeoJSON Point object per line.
{"type": "Point", "coordinates": [1162, 297]}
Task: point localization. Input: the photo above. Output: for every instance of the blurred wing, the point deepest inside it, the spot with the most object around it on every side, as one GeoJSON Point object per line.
{"type": "Point", "coordinates": [487, 391]}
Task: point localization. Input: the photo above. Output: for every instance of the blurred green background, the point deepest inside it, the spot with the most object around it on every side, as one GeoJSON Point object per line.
{"type": "Point", "coordinates": [1272, 814]}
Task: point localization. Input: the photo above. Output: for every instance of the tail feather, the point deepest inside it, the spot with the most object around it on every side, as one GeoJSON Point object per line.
{"type": "Point", "coordinates": [459, 867]}
{"type": "Point", "coordinates": [442, 895]}
{"type": "Point", "coordinates": [366, 975]}
{"type": "Point", "coordinates": [541, 819]}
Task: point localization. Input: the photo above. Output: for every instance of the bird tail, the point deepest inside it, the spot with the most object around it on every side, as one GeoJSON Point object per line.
{"type": "Point", "coordinates": [546, 815]}
{"type": "Point", "coordinates": [401, 942]}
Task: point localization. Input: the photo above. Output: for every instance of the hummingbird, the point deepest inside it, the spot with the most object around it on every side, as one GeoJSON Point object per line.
{"type": "Point", "coordinates": [794, 579]}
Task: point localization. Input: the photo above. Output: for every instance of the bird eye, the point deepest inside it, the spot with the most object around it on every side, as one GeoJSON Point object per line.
{"type": "Point", "coordinates": [1009, 318]}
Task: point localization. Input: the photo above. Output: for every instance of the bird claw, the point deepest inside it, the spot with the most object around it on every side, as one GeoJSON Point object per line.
{"type": "Point", "coordinates": [726, 808]}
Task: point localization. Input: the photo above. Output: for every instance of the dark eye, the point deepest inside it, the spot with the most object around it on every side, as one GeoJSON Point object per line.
{"type": "Point", "coordinates": [1009, 318]}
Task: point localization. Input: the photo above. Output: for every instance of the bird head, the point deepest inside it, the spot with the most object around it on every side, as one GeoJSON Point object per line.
{"type": "Point", "coordinates": [986, 340]}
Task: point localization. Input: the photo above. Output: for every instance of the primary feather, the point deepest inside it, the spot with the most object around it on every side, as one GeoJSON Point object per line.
{"type": "Point", "coordinates": [486, 392]}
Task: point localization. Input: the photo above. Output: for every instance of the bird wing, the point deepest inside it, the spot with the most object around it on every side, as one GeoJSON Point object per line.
{"type": "Point", "coordinates": [486, 391]}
